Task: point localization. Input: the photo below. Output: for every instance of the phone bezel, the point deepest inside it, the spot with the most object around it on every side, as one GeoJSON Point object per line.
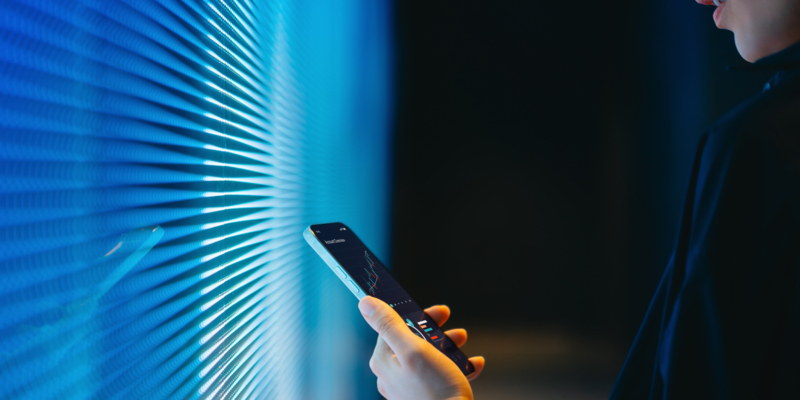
{"type": "Point", "coordinates": [334, 265]}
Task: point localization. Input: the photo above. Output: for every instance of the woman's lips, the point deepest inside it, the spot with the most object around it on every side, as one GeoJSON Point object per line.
{"type": "Point", "coordinates": [718, 13]}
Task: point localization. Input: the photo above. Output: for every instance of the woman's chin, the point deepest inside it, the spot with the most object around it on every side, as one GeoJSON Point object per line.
{"type": "Point", "coordinates": [752, 50]}
{"type": "Point", "coordinates": [744, 49]}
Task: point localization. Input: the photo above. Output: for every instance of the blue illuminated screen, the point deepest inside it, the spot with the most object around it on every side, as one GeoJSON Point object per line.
{"type": "Point", "coordinates": [159, 160]}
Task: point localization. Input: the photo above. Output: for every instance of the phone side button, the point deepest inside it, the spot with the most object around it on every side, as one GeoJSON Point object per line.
{"type": "Point", "coordinates": [338, 272]}
{"type": "Point", "coordinates": [353, 288]}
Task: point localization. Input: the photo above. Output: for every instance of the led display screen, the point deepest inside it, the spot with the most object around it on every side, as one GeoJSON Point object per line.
{"type": "Point", "coordinates": [159, 160]}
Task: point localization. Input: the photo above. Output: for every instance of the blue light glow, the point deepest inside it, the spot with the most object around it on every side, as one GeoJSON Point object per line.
{"type": "Point", "coordinates": [158, 162]}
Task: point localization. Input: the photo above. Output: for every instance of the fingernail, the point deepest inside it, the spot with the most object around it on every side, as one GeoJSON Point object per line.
{"type": "Point", "coordinates": [368, 305]}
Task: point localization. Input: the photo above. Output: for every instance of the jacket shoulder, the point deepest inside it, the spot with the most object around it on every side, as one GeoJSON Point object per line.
{"type": "Point", "coordinates": [768, 124]}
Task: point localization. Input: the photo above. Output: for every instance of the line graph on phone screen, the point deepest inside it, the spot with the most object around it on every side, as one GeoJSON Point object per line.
{"type": "Point", "coordinates": [377, 282]}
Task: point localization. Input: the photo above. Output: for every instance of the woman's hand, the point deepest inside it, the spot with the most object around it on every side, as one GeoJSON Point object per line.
{"type": "Point", "coordinates": [406, 365]}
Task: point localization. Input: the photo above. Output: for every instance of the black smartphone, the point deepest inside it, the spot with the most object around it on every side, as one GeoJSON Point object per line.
{"type": "Point", "coordinates": [365, 275]}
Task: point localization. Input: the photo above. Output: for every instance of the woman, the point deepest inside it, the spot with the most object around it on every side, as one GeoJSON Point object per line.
{"type": "Point", "coordinates": [725, 320]}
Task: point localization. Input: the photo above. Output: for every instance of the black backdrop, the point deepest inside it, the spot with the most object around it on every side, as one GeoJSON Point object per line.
{"type": "Point", "coordinates": [542, 152]}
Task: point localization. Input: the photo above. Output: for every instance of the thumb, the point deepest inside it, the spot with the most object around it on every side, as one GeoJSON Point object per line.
{"type": "Point", "coordinates": [388, 323]}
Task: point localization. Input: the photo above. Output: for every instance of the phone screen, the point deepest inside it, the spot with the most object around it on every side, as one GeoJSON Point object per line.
{"type": "Point", "coordinates": [375, 280]}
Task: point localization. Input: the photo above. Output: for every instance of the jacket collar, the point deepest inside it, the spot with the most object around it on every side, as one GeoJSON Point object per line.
{"type": "Point", "coordinates": [783, 64]}
{"type": "Point", "coordinates": [788, 58]}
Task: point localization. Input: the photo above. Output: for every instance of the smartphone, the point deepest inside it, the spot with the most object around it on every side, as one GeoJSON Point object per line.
{"type": "Point", "coordinates": [365, 275]}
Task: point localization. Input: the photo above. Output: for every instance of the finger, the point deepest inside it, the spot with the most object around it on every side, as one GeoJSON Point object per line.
{"type": "Point", "coordinates": [458, 336]}
{"type": "Point", "coordinates": [382, 350]}
{"type": "Point", "coordinates": [478, 363]}
{"type": "Point", "coordinates": [387, 322]}
{"type": "Point", "coordinates": [381, 389]}
{"type": "Point", "coordinates": [439, 314]}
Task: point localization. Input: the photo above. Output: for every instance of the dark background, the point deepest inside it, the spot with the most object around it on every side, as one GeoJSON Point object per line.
{"type": "Point", "coordinates": [542, 153]}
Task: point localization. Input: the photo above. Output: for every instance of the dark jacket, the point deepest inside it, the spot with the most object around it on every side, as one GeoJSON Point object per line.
{"type": "Point", "coordinates": [724, 322]}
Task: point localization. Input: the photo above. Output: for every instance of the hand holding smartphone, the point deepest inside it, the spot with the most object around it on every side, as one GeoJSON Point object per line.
{"type": "Point", "coordinates": [361, 271]}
